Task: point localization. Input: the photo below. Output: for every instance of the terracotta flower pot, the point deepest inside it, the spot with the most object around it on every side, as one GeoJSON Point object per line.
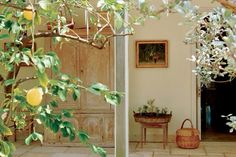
{"type": "Point", "coordinates": [152, 118]}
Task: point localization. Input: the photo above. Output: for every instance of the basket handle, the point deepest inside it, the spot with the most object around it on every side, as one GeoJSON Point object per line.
{"type": "Point", "coordinates": [185, 121]}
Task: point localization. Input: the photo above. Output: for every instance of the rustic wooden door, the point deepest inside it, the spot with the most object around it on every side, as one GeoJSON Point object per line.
{"type": "Point", "coordinates": [95, 115]}
{"type": "Point", "coordinates": [92, 113]}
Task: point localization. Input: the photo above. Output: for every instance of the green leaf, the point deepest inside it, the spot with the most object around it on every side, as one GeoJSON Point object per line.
{"type": "Point", "coordinates": [67, 124]}
{"type": "Point", "coordinates": [37, 18]}
{"type": "Point", "coordinates": [118, 20]}
{"type": "Point", "coordinates": [5, 148]}
{"type": "Point", "coordinates": [39, 51]}
{"type": "Point", "coordinates": [55, 127]}
{"type": "Point", "coordinates": [113, 98]}
{"type": "Point", "coordinates": [39, 137]}
{"type": "Point", "coordinates": [4, 130]}
{"type": "Point", "coordinates": [2, 17]}
{"type": "Point", "coordinates": [34, 136]}
{"type": "Point", "coordinates": [43, 79]}
{"type": "Point", "coordinates": [83, 136]}
{"type": "Point", "coordinates": [4, 36]}
{"type": "Point", "coordinates": [54, 103]}
{"type": "Point", "coordinates": [55, 68]}
{"type": "Point", "coordinates": [20, 98]}
{"type": "Point", "coordinates": [67, 113]}
{"type": "Point", "coordinates": [48, 122]}
{"type": "Point", "coordinates": [46, 62]}
{"type": "Point", "coordinates": [28, 139]}
{"type": "Point", "coordinates": [41, 67]}
{"type": "Point", "coordinates": [97, 88]}
{"type": "Point", "coordinates": [227, 13]}
{"type": "Point", "coordinates": [72, 137]}
{"type": "Point", "coordinates": [100, 3]}
{"type": "Point", "coordinates": [44, 4]}
{"type": "Point", "coordinates": [100, 151]}
{"type": "Point", "coordinates": [76, 94]}
{"type": "Point", "coordinates": [26, 59]}
{"type": "Point", "coordinates": [12, 147]}
{"type": "Point", "coordinates": [64, 132]}
{"type": "Point", "coordinates": [62, 94]}
{"type": "Point", "coordinates": [8, 24]}
{"type": "Point", "coordinates": [9, 82]}
{"type": "Point", "coordinates": [65, 77]}
{"type": "Point", "coordinates": [15, 28]}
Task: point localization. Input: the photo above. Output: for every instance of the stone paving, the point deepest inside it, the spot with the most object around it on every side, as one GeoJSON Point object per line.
{"type": "Point", "coordinates": [206, 149]}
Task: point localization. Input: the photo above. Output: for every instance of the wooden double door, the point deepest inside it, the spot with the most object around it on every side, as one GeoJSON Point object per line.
{"type": "Point", "coordinates": [92, 113]}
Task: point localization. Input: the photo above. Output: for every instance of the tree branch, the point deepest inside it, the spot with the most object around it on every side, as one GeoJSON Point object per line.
{"type": "Point", "coordinates": [76, 38]}
{"type": "Point", "coordinates": [11, 75]}
{"type": "Point", "coordinates": [23, 80]}
{"type": "Point", "coordinates": [227, 5]}
{"type": "Point", "coordinates": [1, 78]}
{"type": "Point", "coordinates": [12, 6]}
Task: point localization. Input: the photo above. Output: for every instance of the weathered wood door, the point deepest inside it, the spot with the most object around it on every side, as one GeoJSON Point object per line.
{"type": "Point", "coordinates": [92, 113]}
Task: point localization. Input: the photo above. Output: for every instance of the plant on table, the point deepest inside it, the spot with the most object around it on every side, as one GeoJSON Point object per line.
{"type": "Point", "coordinates": [150, 110]}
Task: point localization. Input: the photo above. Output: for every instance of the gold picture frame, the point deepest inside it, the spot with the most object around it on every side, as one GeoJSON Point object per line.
{"type": "Point", "coordinates": [152, 54]}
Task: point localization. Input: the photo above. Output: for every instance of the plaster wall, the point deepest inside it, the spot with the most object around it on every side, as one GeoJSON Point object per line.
{"type": "Point", "coordinates": [173, 87]}
{"type": "Point", "coordinates": [170, 87]}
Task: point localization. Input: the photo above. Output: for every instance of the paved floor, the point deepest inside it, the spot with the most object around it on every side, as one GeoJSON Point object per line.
{"type": "Point", "coordinates": [206, 149]}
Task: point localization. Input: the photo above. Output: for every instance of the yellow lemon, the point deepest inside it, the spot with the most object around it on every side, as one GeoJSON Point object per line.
{"type": "Point", "coordinates": [28, 13]}
{"type": "Point", "coordinates": [34, 96]}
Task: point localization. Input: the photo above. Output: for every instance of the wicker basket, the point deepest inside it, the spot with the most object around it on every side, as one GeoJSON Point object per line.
{"type": "Point", "coordinates": [187, 137]}
{"type": "Point", "coordinates": [152, 119]}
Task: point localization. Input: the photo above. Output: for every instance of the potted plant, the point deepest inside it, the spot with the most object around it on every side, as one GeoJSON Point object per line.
{"type": "Point", "coordinates": [149, 113]}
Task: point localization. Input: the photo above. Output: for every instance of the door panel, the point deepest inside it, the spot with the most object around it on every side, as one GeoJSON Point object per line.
{"type": "Point", "coordinates": [108, 127]}
{"type": "Point", "coordinates": [93, 114]}
{"type": "Point", "coordinates": [91, 123]}
{"type": "Point", "coordinates": [69, 59]}
{"type": "Point", "coordinates": [95, 67]}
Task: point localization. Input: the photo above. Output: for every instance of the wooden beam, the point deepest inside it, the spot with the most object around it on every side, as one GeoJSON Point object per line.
{"type": "Point", "coordinates": [228, 5]}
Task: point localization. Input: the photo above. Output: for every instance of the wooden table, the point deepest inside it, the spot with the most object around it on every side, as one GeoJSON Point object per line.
{"type": "Point", "coordinates": [163, 125]}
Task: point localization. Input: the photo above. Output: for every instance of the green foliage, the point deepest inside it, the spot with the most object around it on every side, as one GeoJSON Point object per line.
{"type": "Point", "coordinates": [214, 34]}
{"type": "Point", "coordinates": [99, 150]}
{"type": "Point", "coordinates": [4, 130]}
{"type": "Point", "coordinates": [112, 97]}
{"type": "Point", "coordinates": [83, 136]}
{"type": "Point", "coordinates": [6, 148]}
{"type": "Point", "coordinates": [34, 137]}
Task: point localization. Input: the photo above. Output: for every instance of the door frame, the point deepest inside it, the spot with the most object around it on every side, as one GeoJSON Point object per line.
{"type": "Point", "coordinates": [196, 96]}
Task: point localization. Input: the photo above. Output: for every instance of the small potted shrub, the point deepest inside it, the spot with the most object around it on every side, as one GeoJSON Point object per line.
{"type": "Point", "coordinates": [149, 113]}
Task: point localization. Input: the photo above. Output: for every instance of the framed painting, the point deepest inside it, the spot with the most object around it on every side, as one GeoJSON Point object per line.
{"type": "Point", "coordinates": [152, 54]}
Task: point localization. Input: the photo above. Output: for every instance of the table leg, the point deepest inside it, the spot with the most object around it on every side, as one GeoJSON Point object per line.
{"type": "Point", "coordinates": [164, 136]}
{"type": "Point", "coordinates": [167, 134]}
{"type": "Point", "coordinates": [141, 141]}
{"type": "Point", "coordinates": [145, 131]}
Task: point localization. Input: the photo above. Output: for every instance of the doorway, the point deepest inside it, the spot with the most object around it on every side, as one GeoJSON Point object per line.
{"type": "Point", "coordinates": [217, 99]}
